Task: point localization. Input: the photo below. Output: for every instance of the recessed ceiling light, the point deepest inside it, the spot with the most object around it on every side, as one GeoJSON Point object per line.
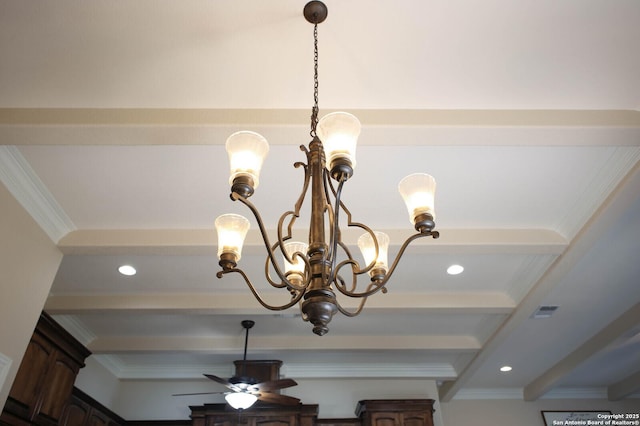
{"type": "Point", "coordinates": [127, 270]}
{"type": "Point", "coordinates": [455, 269]}
{"type": "Point", "coordinates": [505, 368]}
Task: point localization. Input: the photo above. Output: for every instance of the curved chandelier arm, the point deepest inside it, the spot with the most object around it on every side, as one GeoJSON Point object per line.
{"type": "Point", "coordinates": [372, 288]}
{"type": "Point", "coordinates": [292, 302]}
{"type": "Point", "coordinates": [378, 285]}
{"type": "Point", "coordinates": [296, 212]}
{"type": "Point", "coordinates": [286, 282]}
{"type": "Point", "coordinates": [348, 313]}
{"type": "Point", "coordinates": [283, 238]}
{"type": "Point", "coordinates": [265, 238]}
{"type": "Point", "coordinates": [334, 218]}
{"type": "Point", "coordinates": [382, 283]}
{"type": "Point", "coordinates": [355, 271]}
{"type": "Point", "coordinates": [363, 300]}
{"type": "Point", "coordinates": [337, 239]}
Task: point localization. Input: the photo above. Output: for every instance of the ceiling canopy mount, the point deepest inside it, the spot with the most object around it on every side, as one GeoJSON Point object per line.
{"type": "Point", "coordinates": [315, 12]}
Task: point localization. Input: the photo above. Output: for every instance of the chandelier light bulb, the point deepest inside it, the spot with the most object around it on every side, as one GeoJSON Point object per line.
{"type": "Point", "coordinates": [368, 249]}
{"type": "Point", "coordinates": [296, 268]}
{"type": "Point", "coordinates": [232, 229]}
{"type": "Point", "coordinates": [418, 191]}
{"type": "Point", "coordinates": [247, 151]}
{"type": "Point", "coordinates": [339, 133]}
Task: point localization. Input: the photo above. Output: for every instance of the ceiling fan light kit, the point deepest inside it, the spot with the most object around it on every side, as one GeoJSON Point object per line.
{"type": "Point", "coordinates": [245, 390]}
{"type": "Point", "coordinates": [240, 400]}
{"type": "Point", "coordinates": [312, 271]}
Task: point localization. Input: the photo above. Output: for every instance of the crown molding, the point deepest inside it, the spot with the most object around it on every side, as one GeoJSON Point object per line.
{"type": "Point", "coordinates": [76, 328]}
{"type": "Point", "coordinates": [25, 185]}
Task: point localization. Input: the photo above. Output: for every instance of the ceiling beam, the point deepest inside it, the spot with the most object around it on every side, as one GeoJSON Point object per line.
{"type": "Point", "coordinates": [624, 388]}
{"type": "Point", "coordinates": [157, 126]}
{"type": "Point", "coordinates": [243, 303]}
{"type": "Point", "coordinates": [283, 117]}
{"type": "Point", "coordinates": [604, 338]}
{"type": "Point", "coordinates": [307, 370]}
{"type": "Point", "coordinates": [204, 241]}
{"type": "Point", "coordinates": [616, 204]}
{"type": "Point", "coordinates": [308, 342]}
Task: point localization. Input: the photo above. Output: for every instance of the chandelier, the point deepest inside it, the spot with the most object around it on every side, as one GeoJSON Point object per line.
{"type": "Point", "coordinates": [316, 271]}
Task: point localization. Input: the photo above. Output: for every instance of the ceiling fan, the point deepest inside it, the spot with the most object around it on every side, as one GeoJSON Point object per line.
{"type": "Point", "coordinates": [244, 390]}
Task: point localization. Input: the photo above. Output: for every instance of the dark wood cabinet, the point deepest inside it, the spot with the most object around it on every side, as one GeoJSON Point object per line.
{"type": "Point", "coordinates": [390, 412]}
{"type": "Point", "coordinates": [261, 415]}
{"type": "Point", "coordinates": [44, 381]}
{"type": "Point", "coordinates": [82, 410]}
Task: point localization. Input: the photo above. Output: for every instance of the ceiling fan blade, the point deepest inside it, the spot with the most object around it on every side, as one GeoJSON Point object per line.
{"type": "Point", "coordinates": [197, 393]}
{"type": "Point", "coordinates": [274, 385]}
{"type": "Point", "coordinates": [223, 382]}
{"type": "Point", "coordinates": [275, 398]}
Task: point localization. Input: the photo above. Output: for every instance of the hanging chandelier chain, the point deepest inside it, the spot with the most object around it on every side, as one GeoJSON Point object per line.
{"type": "Point", "coordinates": [315, 110]}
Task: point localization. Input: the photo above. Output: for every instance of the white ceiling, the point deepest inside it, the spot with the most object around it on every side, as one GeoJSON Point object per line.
{"type": "Point", "coordinates": [113, 117]}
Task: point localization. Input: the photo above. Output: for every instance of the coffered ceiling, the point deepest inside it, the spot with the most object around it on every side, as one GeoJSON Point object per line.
{"type": "Point", "coordinates": [113, 118]}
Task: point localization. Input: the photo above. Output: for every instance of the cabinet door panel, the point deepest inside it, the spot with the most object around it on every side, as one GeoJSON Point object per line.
{"type": "Point", "coordinates": [60, 379]}
{"type": "Point", "coordinates": [223, 421]}
{"type": "Point", "coordinates": [384, 419]}
{"type": "Point", "coordinates": [75, 414]}
{"type": "Point", "coordinates": [416, 419]}
{"type": "Point", "coordinates": [26, 387]}
{"type": "Point", "coordinates": [97, 420]}
{"type": "Point", "coordinates": [277, 421]}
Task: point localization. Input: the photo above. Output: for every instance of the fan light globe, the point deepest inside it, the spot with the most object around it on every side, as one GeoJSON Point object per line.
{"type": "Point", "coordinates": [232, 229]}
{"type": "Point", "coordinates": [247, 151]}
{"type": "Point", "coordinates": [240, 400]}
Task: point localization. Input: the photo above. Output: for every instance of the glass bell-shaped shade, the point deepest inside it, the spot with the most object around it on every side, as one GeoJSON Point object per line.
{"type": "Point", "coordinates": [240, 400]}
{"type": "Point", "coordinates": [368, 249]}
{"type": "Point", "coordinates": [232, 229]}
{"type": "Point", "coordinates": [339, 133]}
{"type": "Point", "coordinates": [296, 268]}
{"type": "Point", "coordinates": [247, 151]}
{"type": "Point", "coordinates": [418, 191]}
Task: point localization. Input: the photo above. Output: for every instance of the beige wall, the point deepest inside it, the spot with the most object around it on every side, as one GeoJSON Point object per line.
{"type": "Point", "coordinates": [29, 261]}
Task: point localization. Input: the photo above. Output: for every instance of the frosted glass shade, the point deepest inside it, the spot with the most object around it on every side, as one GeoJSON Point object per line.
{"type": "Point", "coordinates": [232, 229]}
{"type": "Point", "coordinates": [418, 191]}
{"type": "Point", "coordinates": [297, 267]}
{"type": "Point", "coordinates": [368, 249]}
{"type": "Point", "coordinates": [339, 133]}
{"type": "Point", "coordinates": [240, 400]}
{"type": "Point", "coordinates": [247, 151]}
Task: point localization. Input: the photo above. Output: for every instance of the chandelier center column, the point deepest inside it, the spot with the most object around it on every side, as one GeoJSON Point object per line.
{"type": "Point", "coordinates": [319, 304]}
